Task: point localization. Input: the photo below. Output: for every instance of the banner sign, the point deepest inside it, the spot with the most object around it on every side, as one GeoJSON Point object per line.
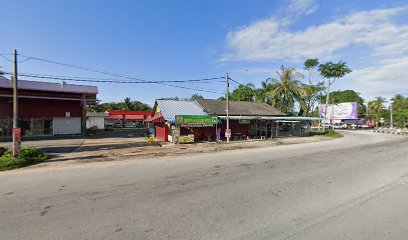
{"type": "Point", "coordinates": [16, 141]}
{"type": "Point", "coordinates": [196, 120]}
{"type": "Point", "coordinates": [227, 133]}
{"type": "Point", "coordinates": [348, 110]}
{"type": "Point", "coordinates": [244, 121]}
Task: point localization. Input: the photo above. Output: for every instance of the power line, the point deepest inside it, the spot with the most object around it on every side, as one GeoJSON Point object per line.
{"type": "Point", "coordinates": [110, 80]}
{"type": "Point", "coordinates": [121, 82]}
{"type": "Point", "coordinates": [104, 72]}
{"type": "Point", "coordinates": [4, 56]}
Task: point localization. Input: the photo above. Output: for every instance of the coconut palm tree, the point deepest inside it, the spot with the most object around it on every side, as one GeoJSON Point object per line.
{"type": "Point", "coordinates": [286, 90]}
{"type": "Point", "coordinates": [377, 105]}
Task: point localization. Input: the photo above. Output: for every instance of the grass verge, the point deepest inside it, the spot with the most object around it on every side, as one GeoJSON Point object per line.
{"type": "Point", "coordinates": [327, 133]}
{"type": "Point", "coordinates": [29, 156]}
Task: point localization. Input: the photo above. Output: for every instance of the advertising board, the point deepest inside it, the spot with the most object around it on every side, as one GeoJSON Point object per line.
{"type": "Point", "coordinates": [346, 110]}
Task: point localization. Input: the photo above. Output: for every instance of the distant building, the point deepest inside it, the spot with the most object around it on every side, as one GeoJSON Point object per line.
{"type": "Point", "coordinates": [126, 119]}
{"type": "Point", "coordinates": [96, 119]}
{"type": "Point", "coordinates": [247, 120]}
{"type": "Point", "coordinates": [45, 108]}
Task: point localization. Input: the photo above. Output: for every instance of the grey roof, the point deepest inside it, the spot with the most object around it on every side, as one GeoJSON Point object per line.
{"type": "Point", "coordinates": [171, 108]}
{"type": "Point", "coordinates": [49, 86]}
{"type": "Point", "coordinates": [238, 108]}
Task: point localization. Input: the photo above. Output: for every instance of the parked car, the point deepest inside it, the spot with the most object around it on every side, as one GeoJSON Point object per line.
{"type": "Point", "coordinates": [109, 127]}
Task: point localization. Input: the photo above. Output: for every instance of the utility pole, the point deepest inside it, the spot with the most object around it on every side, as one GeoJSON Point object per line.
{"type": "Point", "coordinates": [16, 130]}
{"type": "Point", "coordinates": [327, 104]}
{"type": "Point", "coordinates": [391, 117]}
{"type": "Point", "coordinates": [228, 130]}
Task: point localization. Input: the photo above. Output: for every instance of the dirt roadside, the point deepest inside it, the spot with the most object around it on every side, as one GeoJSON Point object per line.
{"type": "Point", "coordinates": [90, 151]}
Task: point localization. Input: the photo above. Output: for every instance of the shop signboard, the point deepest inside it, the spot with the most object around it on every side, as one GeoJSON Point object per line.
{"type": "Point", "coordinates": [196, 120]}
{"type": "Point", "coordinates": [347, 110]}
{"type": "Point", "coordinates": [244, 121]}
{"type": "Point", "coordinates": [227, 133]}
{"type": "Point", "coordinates": [16, 141]}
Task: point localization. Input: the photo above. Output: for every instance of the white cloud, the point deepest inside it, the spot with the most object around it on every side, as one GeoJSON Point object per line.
{"type": "Point", "coordinates": [271, 38]}
{"type": "Point", "coordinates": [385, 79]}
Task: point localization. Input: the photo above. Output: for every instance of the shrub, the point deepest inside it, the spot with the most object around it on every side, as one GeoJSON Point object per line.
{"type": "Point", "coordinates": [3, 150]}
{"type": "Point", "coordinates": [28, 156]}
{"type": "Point", "coordinates": [91, 131]}
{"type": "Point", "coordinates": [327, 133]}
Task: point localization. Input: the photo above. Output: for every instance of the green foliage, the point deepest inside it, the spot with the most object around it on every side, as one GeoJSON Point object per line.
{"type": "Point", "coordinates": [127, 104]}
{"type": "Point", "coordinates": [91, 131]}
{"type": "Point", "coordinates": [244, 93]}
{"type": "Point", "coordinates": [348, 96]}
{"type": "Point", "coordinates": [327, 133]}
{"type": "Point", "coordinates": [334, 71]}
{"type": "Point", "coordinates": [3, 150]}
{"type": "Point", "coordinates": [377, 105]}
{"type": "Point", "coordinates": [286, 90]}
{"type": "Point", "coordinates": [28, 156]}
{"type": "Point", "coordinates": [196, 96]}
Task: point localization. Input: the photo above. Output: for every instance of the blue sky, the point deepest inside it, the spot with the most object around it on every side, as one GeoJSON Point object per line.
{"type": "Point", "coordinates": [177, 40]}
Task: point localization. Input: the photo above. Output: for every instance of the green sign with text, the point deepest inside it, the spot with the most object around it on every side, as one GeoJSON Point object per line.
{"type": "Point", "coordinates": [196, 120]}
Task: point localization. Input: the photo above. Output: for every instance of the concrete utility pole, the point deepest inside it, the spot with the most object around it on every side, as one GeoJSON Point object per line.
{"type": "Point", "coordinates": [227, 98]}
{"type": "Point", "coordinates": [391, 117]}
{"type": "Point", "coordinates": [16, 131]}
{"type": "Point", "coordinates": [327, 104]}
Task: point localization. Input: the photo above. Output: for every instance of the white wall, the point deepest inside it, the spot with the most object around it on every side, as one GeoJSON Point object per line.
{"type": "Point", "coordinates": [98, 122]}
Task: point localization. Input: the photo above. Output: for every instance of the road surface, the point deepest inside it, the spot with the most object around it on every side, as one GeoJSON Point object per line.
{"type": "Point", "coordinates": [349, 188]}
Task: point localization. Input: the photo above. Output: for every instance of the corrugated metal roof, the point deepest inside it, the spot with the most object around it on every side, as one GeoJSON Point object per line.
{"type": "Point", "coordinates": [49, 86]}
{"type": "Point", "coordinates": [238, 108]}
{"type": "Point", "coordinates": [171, 108]}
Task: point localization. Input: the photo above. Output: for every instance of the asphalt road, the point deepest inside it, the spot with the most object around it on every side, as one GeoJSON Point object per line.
{"type": "Point", "coordinates": [350, 188]}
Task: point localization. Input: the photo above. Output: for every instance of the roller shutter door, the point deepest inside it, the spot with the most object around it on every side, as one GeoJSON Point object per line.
{"type": "Point", "coordinates": [69, 125]}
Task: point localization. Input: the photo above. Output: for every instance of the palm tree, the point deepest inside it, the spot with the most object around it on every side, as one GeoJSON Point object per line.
{"type": "Point", "coordinates": [128, 104]}
{"type": "Point", "coordinates": [309, 65]}
{"type": "Point", "coordinates": [286, 90]}
{"type": "Point", "coordinates": [244, 93]}
{"type": "Point", "coordinates": [377, 105]}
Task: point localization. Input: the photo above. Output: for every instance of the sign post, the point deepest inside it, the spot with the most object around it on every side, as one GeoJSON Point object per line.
{"type": "Point", "coordinates": [16, 141]}
{"type": "Point", "coordinates": [196, 120]}
{"type": "Point", "coordinates": [227, 133]}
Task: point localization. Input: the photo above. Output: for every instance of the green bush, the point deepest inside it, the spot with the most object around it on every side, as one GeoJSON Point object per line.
{"type": "Point", "coordinates": [91, 131]}
{"type": "Point", "coordinates": [3, 150]}
{"type": "Point", "coordinates": [28, 156]}
{"type": "Point", "coordinates": [317, 132]}
{"type": "Point", "coordinates": [327, 133]}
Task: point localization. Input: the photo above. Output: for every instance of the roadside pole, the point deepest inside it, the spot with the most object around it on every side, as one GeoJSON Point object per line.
{"type": "Point", "coordinates": [391, 117]}
{"type": "Point", "coordinates": [16, 129]}
{"type": "Point", "coordinates": [227, 98]}
{"type": "Point", "coordinates": [327, 104]}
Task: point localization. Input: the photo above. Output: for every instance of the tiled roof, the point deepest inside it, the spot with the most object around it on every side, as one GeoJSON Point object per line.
{"type": "Point", "coordinates": [238, 108]}
{"type": "Point", "coordinates": [49, 86]}
{"type": "Point", "coordinates": [171, 108]}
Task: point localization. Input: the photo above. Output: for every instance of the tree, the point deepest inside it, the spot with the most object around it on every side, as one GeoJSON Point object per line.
{"type": "Point", "coordinates": [332, 72]}
{"type": "Point", "coordinates": [127, 104]}
{"type": "Point", "coordinates": [348, 96]}
{"type": "Point", "coordinates": [286, 90]}
{"type": "Point", "coordinates": [377, 105]}
{"type": "Point", "coordinates": [313, 93]}
{"type": "Point", "coordinates": [309, 65]}
{"type": "Point", "coordinates": [244, 93]}
{"type": "Point", "coordinates": [400, 109]}
{"type": "Point", "coordinates": [196, 96]}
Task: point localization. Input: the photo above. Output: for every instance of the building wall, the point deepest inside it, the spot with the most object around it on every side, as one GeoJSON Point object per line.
{"type": "Point", "coordinates": [98, 122]}
{"type": "Point", "coordinates": [40, 108]}
{"type": "Point", "coordinates": [162, 131]}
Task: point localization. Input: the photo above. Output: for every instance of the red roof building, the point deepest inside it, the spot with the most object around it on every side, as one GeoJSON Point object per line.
{"type": "Point", "coordinates": [45, 108]}
{"type": "Point", "coordinates": [125, 118]}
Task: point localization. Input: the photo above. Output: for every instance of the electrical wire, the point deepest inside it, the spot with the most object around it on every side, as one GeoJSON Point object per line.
{"type": "Point", "coordinates": [108, 73]}
{"type": "Point", "coordinates": [109, 81]}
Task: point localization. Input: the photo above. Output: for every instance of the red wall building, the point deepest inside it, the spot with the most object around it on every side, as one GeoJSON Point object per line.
{"type": "Point", "coordinates": [45, 108]}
